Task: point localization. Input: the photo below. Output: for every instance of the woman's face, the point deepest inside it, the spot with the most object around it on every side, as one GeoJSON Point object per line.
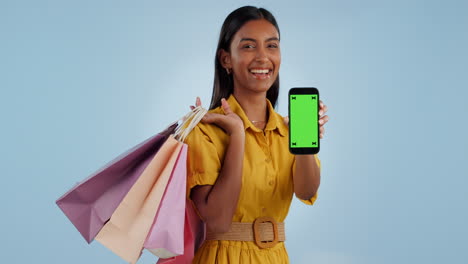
{"type": "Point", "coordinates": [255, 56]}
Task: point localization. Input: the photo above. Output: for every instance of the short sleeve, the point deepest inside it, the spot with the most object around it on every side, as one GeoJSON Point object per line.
{"type": "Point", "coordinates": [311, 201]}
{"type": "Point", "coordinates": [203, 162]}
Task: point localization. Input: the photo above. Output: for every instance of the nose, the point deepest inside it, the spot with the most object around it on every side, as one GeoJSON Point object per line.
{"type": "Point", "coordinates": [261, 54]}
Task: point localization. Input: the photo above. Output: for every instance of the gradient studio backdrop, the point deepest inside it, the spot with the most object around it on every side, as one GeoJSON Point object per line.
{"type": "Point", "coordinates": [83, 81]}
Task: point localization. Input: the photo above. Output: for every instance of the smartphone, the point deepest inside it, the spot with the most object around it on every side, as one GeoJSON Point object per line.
{"type": "Point", "coordinates": [303, 120]}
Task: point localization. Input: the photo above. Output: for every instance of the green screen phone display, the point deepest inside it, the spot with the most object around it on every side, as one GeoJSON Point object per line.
{"type": "Point", "coordinates": [303, 120]}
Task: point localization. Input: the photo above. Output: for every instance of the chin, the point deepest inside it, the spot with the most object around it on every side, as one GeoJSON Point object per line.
{"type": "Point", "coordinates": [260, 88]}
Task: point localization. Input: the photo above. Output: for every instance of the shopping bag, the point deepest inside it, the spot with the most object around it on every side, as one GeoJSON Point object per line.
{"type": "Point", "coordinates": [194, 235]}
{"type": "Point", "coordinates": [194, 228]}
{"type": "Point", "coordinates": [166, 236]}
{"type": "Point", "coordinates": [128, 227]}
{"type": "Point", "coordinates": [90, 204]}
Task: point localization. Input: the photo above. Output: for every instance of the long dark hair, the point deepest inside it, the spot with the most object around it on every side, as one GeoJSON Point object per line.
{"type": "Point", "coordinates": [223, 85]}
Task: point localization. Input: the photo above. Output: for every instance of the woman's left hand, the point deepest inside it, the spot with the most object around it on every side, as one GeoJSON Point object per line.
{"type": "Point", "coordinates": [322, 120]}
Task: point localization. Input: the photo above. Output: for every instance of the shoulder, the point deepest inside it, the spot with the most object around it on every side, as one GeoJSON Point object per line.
{"type": "Point", "coordinates": [212, 130]}
{"type": "Point", "coordinates": [209, 132]}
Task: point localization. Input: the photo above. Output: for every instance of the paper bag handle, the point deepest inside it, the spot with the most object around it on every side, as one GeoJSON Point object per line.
{"type": "Point", "coordinates": [192, 119]}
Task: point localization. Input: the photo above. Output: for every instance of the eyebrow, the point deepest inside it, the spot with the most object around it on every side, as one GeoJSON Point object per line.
{"type": "Point", "coordinates": [251, 39]}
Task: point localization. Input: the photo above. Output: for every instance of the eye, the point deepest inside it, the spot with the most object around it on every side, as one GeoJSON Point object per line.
{"type": "Point", "coordinates": [274, 46]}
{"type": "Point", "coordinates": [248, 46]}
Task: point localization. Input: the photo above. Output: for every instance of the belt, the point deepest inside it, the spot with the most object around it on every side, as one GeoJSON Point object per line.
{"type": "Point", "coordinates": [264, 231]}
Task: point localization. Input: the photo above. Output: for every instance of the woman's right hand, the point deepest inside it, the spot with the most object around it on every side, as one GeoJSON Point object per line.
{"type": "Point", "coordinates": [230, 122]}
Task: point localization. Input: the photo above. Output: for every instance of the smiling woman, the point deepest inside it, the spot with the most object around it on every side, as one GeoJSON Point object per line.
{"type": "Point", "coordinates": [244, 32]}
{"type": "Point", "coordinates": [241, 175]}
{"type": "Point", "coordinates": [254, 56]}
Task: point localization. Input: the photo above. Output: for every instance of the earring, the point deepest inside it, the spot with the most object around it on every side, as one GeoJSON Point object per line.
{"type": "Point", "coordinates": [228, 71]}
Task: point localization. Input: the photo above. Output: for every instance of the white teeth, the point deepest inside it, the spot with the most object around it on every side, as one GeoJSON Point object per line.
{"type": "Point", "coordinates": [259, 71]}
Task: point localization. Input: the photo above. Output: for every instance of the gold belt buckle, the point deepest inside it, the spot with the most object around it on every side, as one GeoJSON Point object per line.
{"type": "Point", "coordinates": [256, 229]}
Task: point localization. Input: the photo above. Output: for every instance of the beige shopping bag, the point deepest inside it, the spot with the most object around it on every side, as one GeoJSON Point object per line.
{"type": "Point", "coordinates": [128, 227]}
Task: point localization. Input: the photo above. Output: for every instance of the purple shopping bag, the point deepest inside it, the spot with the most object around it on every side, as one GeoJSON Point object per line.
{"type": "Point", "coordinates": [90, 204]}
{"type": "Point", "coordinates": [166, 237]}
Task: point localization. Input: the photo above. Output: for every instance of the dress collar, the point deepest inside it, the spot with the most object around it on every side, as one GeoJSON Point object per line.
{"type": "Point", "coordinates": [275, 121]}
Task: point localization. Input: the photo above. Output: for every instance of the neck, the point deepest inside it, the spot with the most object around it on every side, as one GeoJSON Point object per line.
{"type": "Point", "coordinates": [253, 104]}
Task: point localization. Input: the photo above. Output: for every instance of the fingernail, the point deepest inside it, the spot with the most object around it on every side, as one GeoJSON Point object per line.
{"type": "Point", "coordinates": [321, 121]}
{"type": "Point", "coordinates": [320, 112]}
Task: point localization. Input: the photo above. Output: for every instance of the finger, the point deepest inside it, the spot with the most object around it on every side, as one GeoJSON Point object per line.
{"type": "Point", "coordinates": [323, 120]}
{"type": "Point", "coordinates": [207, 118]}
{"type": "Point", "coordinates": [322, 130]}
{"type": "Point", "coordinates": [321, 103]}
{"type": "Point", "coordinates": [226, 108]}
{"type": "Point", "coordinates": [210, 118]}
{"type": "Point", "coordinates": [324, 109]}
{"type": "Point", "coordinates": [192, 107]}
{"type": "Point", "coordinates": [198, 101]}
{"type": "Point", "coordinates": [286, 120]}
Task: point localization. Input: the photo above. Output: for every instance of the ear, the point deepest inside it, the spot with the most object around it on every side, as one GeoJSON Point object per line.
{"type": "Point", "coordinates": [224, 58]}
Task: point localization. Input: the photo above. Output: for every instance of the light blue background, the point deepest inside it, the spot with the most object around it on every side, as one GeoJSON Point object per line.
{"type": "Point", "coordinates": [83, 81]}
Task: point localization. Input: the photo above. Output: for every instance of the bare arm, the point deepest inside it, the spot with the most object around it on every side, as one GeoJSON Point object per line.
{"type": "Point", "coordinates": [307, 177]}
{"type": "Point", "coordinates": [217, 203]}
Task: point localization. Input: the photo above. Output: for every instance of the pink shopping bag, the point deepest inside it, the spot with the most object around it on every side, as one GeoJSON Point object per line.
{"type": "Point", "coordinates": [194, 235]}
{"type": "Point", "coordinates": [166, 237]}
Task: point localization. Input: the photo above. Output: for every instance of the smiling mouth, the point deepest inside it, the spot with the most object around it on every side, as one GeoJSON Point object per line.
{"type": "Point", "coordinates": [261, 74]}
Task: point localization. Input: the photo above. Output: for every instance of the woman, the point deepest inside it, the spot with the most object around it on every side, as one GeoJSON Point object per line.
{"type": "Point", "coordinates": [241, 175]}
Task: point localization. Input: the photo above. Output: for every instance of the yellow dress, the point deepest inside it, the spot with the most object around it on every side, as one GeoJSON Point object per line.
{"type": "Point", "coordinates": [267, 183]}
